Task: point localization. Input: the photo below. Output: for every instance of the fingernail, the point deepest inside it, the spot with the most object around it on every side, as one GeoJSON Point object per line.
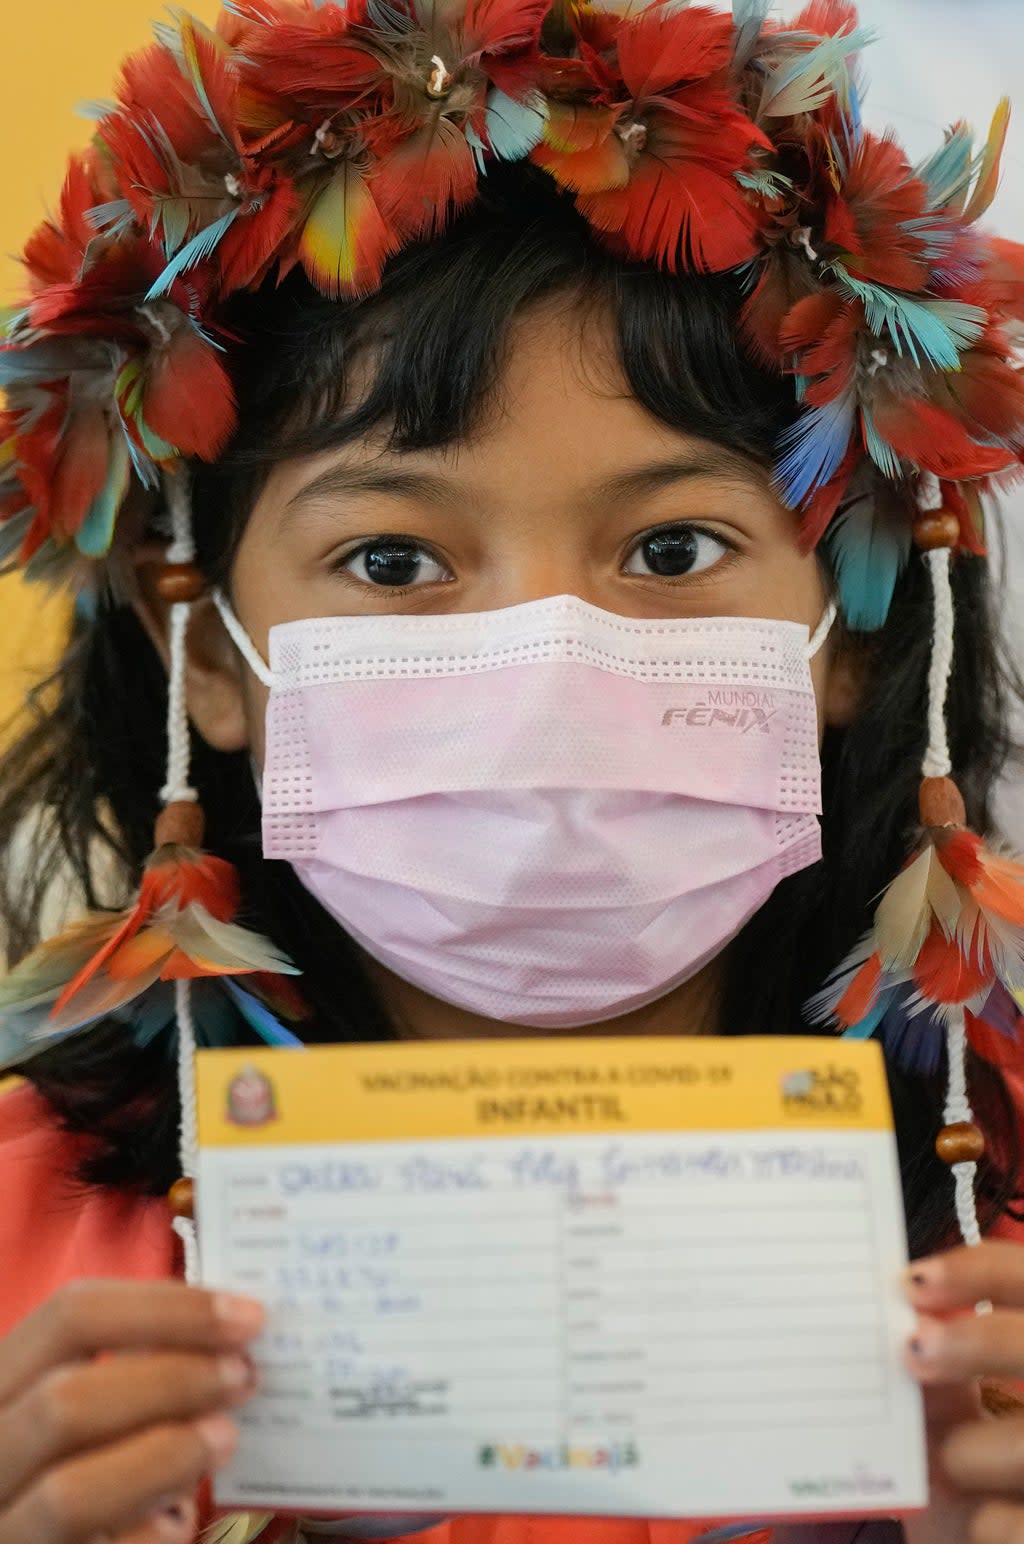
{"type": "Point", "coordinates": [174, 1522]}
{"type": "Point", "coordinates": [923, 1273]}
{"type": "Point", "coordinates": [219, 1436]}
{"type": "Point", "coordinates": [926, 1341]}
{"type": "Point", "coordinates": [242, 1315]}
{"type": "Point", "coordinates": [234, 1372]}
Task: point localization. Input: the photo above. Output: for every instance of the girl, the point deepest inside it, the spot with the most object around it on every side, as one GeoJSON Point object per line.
{"type": "Point", "coordinates": [483, 329]}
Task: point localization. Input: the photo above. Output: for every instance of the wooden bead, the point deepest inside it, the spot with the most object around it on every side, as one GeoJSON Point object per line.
{"type": "Point", "coordinates": [937, 528]}
{"type": "Point", "coordinates": [179, 582]}
{"type": "Point", "coordinates": [962, 1143]}
{"type": "Point", "coordinates": [181, 824]}
{"type": "Point", "coordinates": [181, 1198]}
{"type": "Point", "coordinates": [941, 803]}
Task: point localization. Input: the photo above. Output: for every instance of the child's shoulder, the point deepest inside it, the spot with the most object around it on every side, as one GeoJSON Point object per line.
{"type": "Point", "coordinates": [53, 1229]}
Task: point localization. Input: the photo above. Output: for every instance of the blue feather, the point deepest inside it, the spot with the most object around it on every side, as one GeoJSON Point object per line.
{"type": "Point", "coordinates": [748, 19]}
{"type": "Point", "coordinates": [114, 218]}
{"type": "Point", "coordinates": [947, 171]}
{"type": "Point", "coordinates": [193, 252]}
{"type": "Point", "coordinates": [260, 1018]}
{"type": "Point", "coordinates": [814, 76]}
{"type": "Point", "coordinates": [515, 128]}
{"type": "Point", "coordinates": [866, 1028]}
{"type": "Point", "coordinates": [478, 148]}
{"type": "Point", "coordinates": [932, 332]}
{"type": "Point", "coordinates": [813, 448]}
{"type": "Point", "coordinates": [914, 1038]}
{"type": "Point", "coordinates": [47, 361]}
{"type": "Point", "coordinates": [881, 453]}
{"type": "Point", "coordinates": [95, 111]}
{"type": "Point", "coordinates": [869, 552]}
{"type": "Point", "coordinates": [97, 529]}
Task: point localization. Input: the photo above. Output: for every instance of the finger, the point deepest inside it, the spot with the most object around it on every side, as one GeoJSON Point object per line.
{"type": "Point", "coordinates": [992, 1272]}
{"type": "Point", "coordinates": [95, 1404]}
{"type": "Point", "coordinates": [116, 1489]}
{"type": "Point", "coordinates": [969, 1346]}
{"type": "Point", "coordinates": [175, 1523]}
{"type": "Point", "coordinates": [999, 1522]}
{"type": "Point", "coordinates": [986, 1457]}
{"type": "Point", "coordinates": [86, 1317]}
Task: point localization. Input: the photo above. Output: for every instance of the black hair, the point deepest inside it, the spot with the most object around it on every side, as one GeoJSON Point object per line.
{"type": "Point", "coordinates": [83, 780]}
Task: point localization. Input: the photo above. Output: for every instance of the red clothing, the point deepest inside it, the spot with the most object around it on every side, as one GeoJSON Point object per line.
{"type": "Point", "coordinates": [54, 1230]}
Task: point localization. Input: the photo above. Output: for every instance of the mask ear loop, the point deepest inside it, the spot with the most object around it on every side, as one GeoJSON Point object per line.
{"type": "Point", "coordinates": [241, 640]}
{"type": "Point", "coordinates": [820, 635]}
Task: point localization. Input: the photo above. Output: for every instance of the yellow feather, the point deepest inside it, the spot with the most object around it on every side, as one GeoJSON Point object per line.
{"type": "Point", "coordinates": [238, 1528]}
{"type": "Point", "coordinates": [944, 897]}
{"type": "Point", "coordinates": [987, 183]}
{"type": "Point", "coordinates": [904, 915]}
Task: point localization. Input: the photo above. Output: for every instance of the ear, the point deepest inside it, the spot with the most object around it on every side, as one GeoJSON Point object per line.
{"type": "Point", "coordinates": [848, 674]}
{"type": "Point", "coordinates": [214, 686]}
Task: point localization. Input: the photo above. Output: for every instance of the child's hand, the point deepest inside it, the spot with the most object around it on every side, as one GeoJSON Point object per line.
{"type": "Point", "coordinates": [113, 1446]}
{"type": "Point", "coordinates": [978, 1493]}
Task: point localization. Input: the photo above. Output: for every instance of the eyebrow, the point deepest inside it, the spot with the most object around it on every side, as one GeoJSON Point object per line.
{"type": "Point", "coordinates": [339, 480]}
{"type": "Point", "coordinates": [720, 462]}
{"type": "Point", "coordinates": [427, 487]}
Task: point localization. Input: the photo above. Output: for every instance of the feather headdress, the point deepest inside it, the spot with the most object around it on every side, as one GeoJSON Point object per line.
{"type": "Point", "coordinates": [301, 134]}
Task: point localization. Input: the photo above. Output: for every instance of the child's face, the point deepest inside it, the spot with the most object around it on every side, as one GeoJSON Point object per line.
{"type": "Point", "coordinates": [568, 486]}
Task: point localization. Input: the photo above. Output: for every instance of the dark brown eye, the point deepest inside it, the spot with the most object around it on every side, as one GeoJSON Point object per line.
{"type": "Point", "coordinates": [394, 562]}
{"type": "Point", "coordinates": [674, 551]}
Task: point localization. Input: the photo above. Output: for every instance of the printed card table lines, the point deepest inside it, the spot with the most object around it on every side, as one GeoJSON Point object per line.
{"type": "Point", "coordinates": [565, 1321]}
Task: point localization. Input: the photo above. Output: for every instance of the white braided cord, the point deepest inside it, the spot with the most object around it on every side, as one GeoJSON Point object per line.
{"type": "Point", "coordinates": [937, 762]}
{"type": "Point", "coordinates": [178, 787]}
{"type": "Point", "coordinates": [958, 1112]}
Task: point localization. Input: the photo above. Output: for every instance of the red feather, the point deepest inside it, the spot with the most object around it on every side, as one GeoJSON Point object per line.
{"type": "Point", "coordinates": [859, 997]}
{"type": "Point", "coordinates": [582, 151]}
{"type": "Point", "coordinates": [501, 37]}
{"type": "Point", "coordinates": [960, 853]}
{"type": "Point", "coordinates": [662, 48]}
{"type": "Point", "coordinates": [827, 18]}
{"type": "Point", "coordinates": [424, 180]}
{"type": "Point", "coordinates": [81, 469]}
{"type": "Point", "coordinates": [991, 394]}
{"type": "Point", "coordinates": [678, 213]}
{"type": "Point", "coordinates": [346, 240]}
{"type": "Point", "coordinates": [823, 331]}
{"type": "Point", "coordinates": [787, 278]}
{"type": "Point", "coordinates": [944, 974]}
{"type": "Point", "coordinates": [208, 64]}
{"type": "Point", "coordinates": [314, 62]}
{"type": "Point", "coordinates": [151, 80]}
{"type": "Point", "coordinates": [804, 323]}
{"type": "Point", "coordinates": [189, 400]}
{"type": "Point", "coordinates": [879, 195]}
{"type": "Point", "coordinates": [818, 515]}
{"type": "Point", "coordinates": [252, 243]}
{"type": "Point", "coordinates": [955, 499]}
{"type": "Point", "coordinates": [1000, 888]}
{"type": "Point", "coordinates": [55, 252]}
{"type": "Point", "coordinates": [934, 441]}
{"type": "Point", "coordinates": [1005, 276]}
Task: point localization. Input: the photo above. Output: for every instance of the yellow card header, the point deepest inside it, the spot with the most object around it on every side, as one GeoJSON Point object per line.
{"type": "Point", "coordinates": [446, 1089]}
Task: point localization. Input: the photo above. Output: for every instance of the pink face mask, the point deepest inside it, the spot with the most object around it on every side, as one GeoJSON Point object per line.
{"type": "Point", "coordinates": [548, 814]}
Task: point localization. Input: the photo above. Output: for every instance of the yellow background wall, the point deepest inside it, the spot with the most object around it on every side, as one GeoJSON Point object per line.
{"type": "Point", "coordinates": [55, 57]}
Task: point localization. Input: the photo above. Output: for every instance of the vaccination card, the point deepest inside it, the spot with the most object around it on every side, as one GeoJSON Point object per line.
{"type": "Point", "coordinates": [619, 1277]}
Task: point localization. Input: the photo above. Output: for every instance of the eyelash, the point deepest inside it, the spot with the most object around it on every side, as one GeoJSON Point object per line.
{"type": "Point", "coordinates": [339, 565]}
